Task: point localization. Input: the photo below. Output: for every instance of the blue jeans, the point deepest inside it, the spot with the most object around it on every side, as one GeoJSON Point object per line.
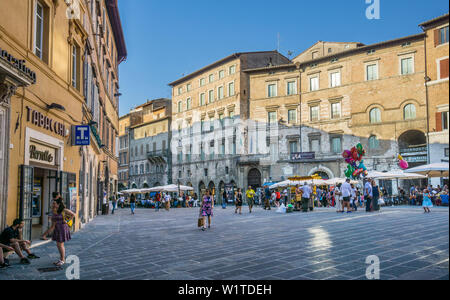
{"type": "Point", "coordinates": [133, 207]}
{"type": "Point", "coordinates": [157, 205]}
{"type": "Point", "coordinates": [114, 206]}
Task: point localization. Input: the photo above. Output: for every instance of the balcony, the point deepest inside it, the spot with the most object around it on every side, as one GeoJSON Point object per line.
{"type": "Point", "coordinates": [158, 157]}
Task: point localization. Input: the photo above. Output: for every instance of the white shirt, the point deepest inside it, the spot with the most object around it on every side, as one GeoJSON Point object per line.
{"type": "Point", "coordinates": [346, 189]}
{"type": "Point", "coordinates": [307, 191]}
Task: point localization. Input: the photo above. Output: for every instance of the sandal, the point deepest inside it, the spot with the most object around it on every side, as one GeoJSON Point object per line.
{"type": "Point", "coordinates": [60, 263]}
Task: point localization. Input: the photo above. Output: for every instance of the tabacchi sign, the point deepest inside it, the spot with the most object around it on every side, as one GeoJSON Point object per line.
{"type": "Point", "coordinates": [45, 122]}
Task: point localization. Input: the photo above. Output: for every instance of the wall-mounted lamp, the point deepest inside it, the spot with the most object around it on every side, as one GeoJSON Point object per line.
{"type": "Point", "coordinates": [118, 95]}
{"type": "Point", "coordinates": [56, 106]}
{"type": "Point", "coordinates": [92, 123]}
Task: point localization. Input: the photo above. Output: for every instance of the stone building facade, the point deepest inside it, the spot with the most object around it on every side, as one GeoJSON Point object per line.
{"type": "Point", "coordinates": [437, 66]}
{"type": "Point", "coordinates": [124, 157]}
{"type": "Point", "coordinates": [150, 162]}
{"type": "Point", "coordinates": [67, 57]}
{"type": "Point", "coordinates": [210, 108]}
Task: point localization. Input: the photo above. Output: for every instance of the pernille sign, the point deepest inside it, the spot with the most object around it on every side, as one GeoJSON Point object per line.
{"type": "Point", "coordinates": [81, 135]}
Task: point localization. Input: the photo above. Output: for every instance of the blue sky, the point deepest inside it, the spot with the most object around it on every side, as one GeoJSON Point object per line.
{"type": "Point", "coordinates": [168, 38]}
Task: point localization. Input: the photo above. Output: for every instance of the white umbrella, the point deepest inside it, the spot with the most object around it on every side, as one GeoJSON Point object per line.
{"type": "Point", "coordinates": [376, 174]}
{"type": "Point", "coordinates": [399, 174]}
{"type": "Point", "coordinates": [171, 188]}
{"type": "Point", "coordinates": [132, 191]}
{"type": "Point", "coordinates": [335, 181]}
{"type": "Point", "coordinates": [431, 170]}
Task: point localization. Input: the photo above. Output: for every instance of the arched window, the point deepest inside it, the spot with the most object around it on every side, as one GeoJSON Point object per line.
{"type": "Point", "coordinates": [409, 112]}
{"type": "Point", "coordinates": [375, 115]}
{"type": "Point", "coordinates": [373, 143]}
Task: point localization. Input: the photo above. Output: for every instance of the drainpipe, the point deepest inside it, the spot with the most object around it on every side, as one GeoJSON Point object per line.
{"type": "Point", "coordinates": [426, 100]}
{"type": "Point", "coordinates": [300, 102]}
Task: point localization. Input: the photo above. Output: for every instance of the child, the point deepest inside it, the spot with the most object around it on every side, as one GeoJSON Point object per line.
{"type": "Point", "coordinates": [426, 204]}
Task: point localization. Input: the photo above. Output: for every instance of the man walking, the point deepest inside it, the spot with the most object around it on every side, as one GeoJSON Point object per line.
{"type": "Point", "coordinates": [346, 190]}
{"type": "Point", "coordinates": [267, 198]}
{"type": "Point", "coordinates": [306, 195]}
{"type": "Point", "coordinates": [368, 194]}
{"type": "Point", "coordinates": [250, 198]}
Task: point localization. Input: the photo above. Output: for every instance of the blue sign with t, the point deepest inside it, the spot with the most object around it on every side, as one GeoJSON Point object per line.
{"type": "Point", "coordinates": [82, 135]}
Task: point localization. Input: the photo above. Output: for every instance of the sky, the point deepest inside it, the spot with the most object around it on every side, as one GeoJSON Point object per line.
{"type": "Point", "coordinates": [167, 39]}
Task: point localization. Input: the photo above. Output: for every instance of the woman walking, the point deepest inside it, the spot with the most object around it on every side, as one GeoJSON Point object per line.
{"type": "Point", "coordinates": [426, 203]}
{"type": "Point", "coordinates": [206, 209]}
{"type": "Point", "coordinates": [239, 202]}
{"type": "Point", "coordinates": [132, 203]}
{"type": "Point", "coordinates": [61, 231]}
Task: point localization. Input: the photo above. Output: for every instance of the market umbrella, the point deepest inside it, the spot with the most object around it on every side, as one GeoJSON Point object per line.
{"type": "Point", "coordinates": [399, 174]}
{"type": "Point", "coordinates": [132, 191]}
{"type": "Point", "coordinates": [335, 181]}
{"type": "Point", "coordinates": [431, 170]}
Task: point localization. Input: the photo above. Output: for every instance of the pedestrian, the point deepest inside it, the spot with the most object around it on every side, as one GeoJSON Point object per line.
{"type": "Point", "coordinates": [114, 202]}
{"type": "Point", "coordinates": [368, 195]}
{"type": "Point", "coordinates": [273, 198]}
{"type": "Point", "coordinates": [167, 201]}
{"type": "Point", "coordinates": [376, 194]}
{"type": "Point", "coordinates": [121, 201]}
{"type": "Point", "coordinates": [426, 203]}
{"type": "Point", "coordinates": [250, 198]}
{"type": "Point", "coordinates": [60, 228]}
{"type": "Point", "coordinates": [338, 199]}
{"type": "Point", "coordinates": [132, 203]}
{"type": "Point", "coordinates": [239, 202]}
{"type": "Point", "coordinates": [346, 190]}
{"type": "Point", "coordinates": [277, 198]}
{"type": "Point", "coordinates": [267, 198]}
{"type": "Point", "coordinates": [285, 196]}
{"type": "Point", "coordinates": [157, 201]}
{"type": "Point", "coordinates": [298, 197]}
{"type": "Point", "coordinates": [224, 199]}
{"type": "Point", "coordinates": [354, 198]}
{"type": "Point", "coordinates": [306, 196]}
{"type": "Point", "coordinates": [206, 209]}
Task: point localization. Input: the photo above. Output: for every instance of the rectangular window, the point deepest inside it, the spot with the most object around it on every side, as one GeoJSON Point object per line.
{"type": "Point", "coordinates": [39, 27]}
{"type": "Point", "coordinates": [180, 90]}
{"type": "Point", "coordinates": [291, 88]}
{"type": "Point", "coordinates": [314, 113]}
{"type": "Point", "coordinates": [220, 92]}
{"type": "Point", "coordinates": [445, 120]}
{"type": "Point", "coordinates": [188, 104]}
{"type": "Point", "coordinates": [407, 66]}
{"type": "Point", "coordinates": [443, 35]}
{"type": "Point", "coordinates": [272, 115]}
{"type": "Point", "coordinates": [211, 96]}
{"type": "Point", "coordinates": [314, 83]}
{"type": "Point", "coordinates": [372, 72]}
{"type": "Point", "coordinates": [232, 70]}
{"type": "Point", "coordinates": [315, 145]}
{"type": "Point", "coordinates": [292, 116]}
{"type": "Point", "coordinates": [221, 74]}
{"type": "Point", "coordinates": [443, 68]}
{"type": "Point", "coordinates": [180, 106]}
{"type": "Point", "coordinates": [188, 87]}
{"type": "Point", "coordinates": [202, 81]}
{"type": "Point", "coordinates": [231, 89]}
{"type": "Point", "coordinates": [293, 147]}
{"type": "Point", "coordinates": [272, 90]}
{"type": "Point", "coordinates": [75, 66]}
{"type": "Point", "coordinates": [202, 99]}
{"type": "Point", "coordinates": [335, 79]}
{"type": "Point", "coordinates": [335, 110]}
{"type": "Point", "coordinates": [336, 145]}
{"type": "Point", "coordinates": [211, 78]}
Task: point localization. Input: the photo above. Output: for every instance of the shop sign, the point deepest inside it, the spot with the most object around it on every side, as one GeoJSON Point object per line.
{"type": "Point", "coordinates": [42, 154]}
{"type": "Point", "coordinates": [81, 135]}
{"type": "Point", "coordinates": [42, 121]}
{"type": "Point", "coordinates": [17, 64]}
{"type": "Point", "coordinates": [303, 155]}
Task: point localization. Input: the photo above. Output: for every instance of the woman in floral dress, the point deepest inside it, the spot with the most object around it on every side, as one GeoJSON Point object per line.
{"type": "Point", "coordinates": [207, 209]}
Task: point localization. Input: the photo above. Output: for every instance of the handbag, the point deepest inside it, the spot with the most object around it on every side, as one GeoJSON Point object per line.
{"type": "Point", "coordinates": [200, 222]}
{"type": "Point", "coordinates": [381, 201]}
{"type": "Point", "coordinates": [69, 222]}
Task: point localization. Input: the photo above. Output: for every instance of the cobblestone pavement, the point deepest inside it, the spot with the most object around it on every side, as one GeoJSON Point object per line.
{"type": "Point", "coordinates": [262, 245]}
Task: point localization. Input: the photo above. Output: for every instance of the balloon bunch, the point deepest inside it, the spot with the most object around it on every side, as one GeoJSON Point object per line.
{"type": "Point", "coordinates": [356, 166]}
{"type": "Point", "coordinates": [403, 164]}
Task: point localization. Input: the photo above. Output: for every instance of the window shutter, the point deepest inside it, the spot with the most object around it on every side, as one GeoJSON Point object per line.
{"type": "Point", "coordinates": [436, 37]}
{"type": "Point", "coordinates": [438, 122]}
{"type": "Point", "coordinates": [444, 68]}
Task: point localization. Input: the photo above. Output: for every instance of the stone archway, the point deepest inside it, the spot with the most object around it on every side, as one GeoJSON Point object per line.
{"type": "Point", "coordinates": [254, 179]}
{"type": "Point", "coordinates": [212, 188]}
{"type": "Point", "coordinates": [322, 171]}
{"type": "Point", "coordinates": [412, 146]}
